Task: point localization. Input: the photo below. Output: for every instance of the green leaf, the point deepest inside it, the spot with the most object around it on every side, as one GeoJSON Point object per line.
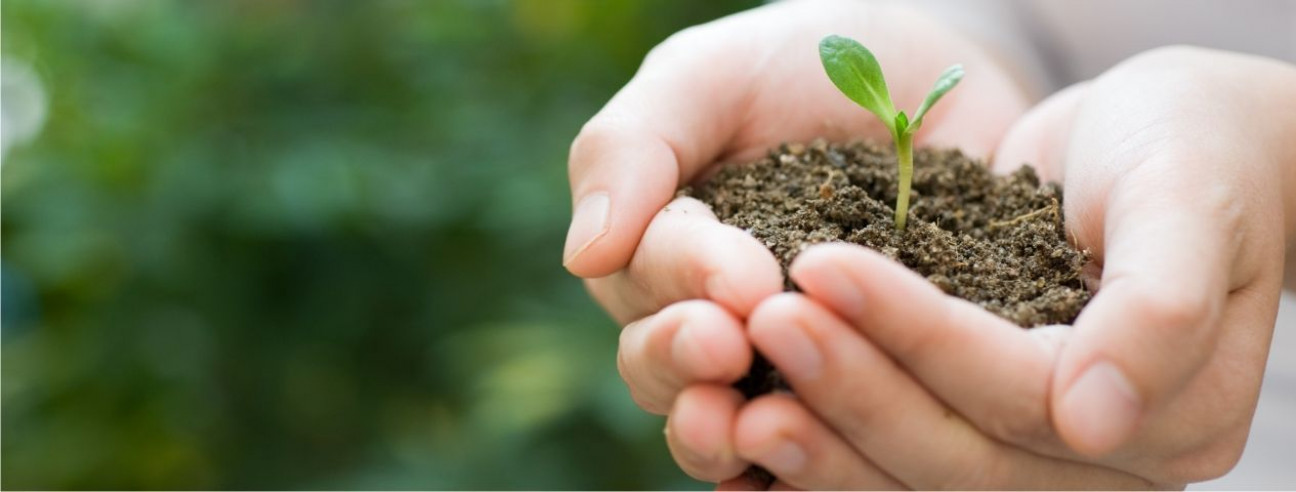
{"type": "Point", "coordinates": [855, 71]}
{"type": "Point", "coordinates": [901, 124]}
{"type": "Point", "coordinates": [947, 80]}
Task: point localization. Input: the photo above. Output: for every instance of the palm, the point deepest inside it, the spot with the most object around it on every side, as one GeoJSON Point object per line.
{"type": "Point", "coordinates": [729, 91]}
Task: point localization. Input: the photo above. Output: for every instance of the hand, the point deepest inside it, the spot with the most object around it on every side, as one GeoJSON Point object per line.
{"type": "Point", "coordinates": [723, 92]}
{"type": "Point", "coordinates": [729, 91]}
{"type": "Point", "coordinates": [1173, 173]}
{"type": "Point", "coordinates": [859, 420]}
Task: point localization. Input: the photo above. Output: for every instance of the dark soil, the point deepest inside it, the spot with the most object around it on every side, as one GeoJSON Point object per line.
{"type": "Point", "coordinates": [997, 241]}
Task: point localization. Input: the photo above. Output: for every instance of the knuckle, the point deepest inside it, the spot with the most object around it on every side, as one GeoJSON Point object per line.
{"type": "Point", "coordinates": [1022, 422]}
{"type": "Point", "coordinates": [681, 41]}
{"type": "Point", "coordinates": [968, 474]}
{"type": "Point", "coordinates": [700, 261]}
{"type": "Point", "coordinates": [928, 344]}
{"type": "Point", "coordinates": [861, 413]}
{"type": "Point", "coordinates": [1173, 309]}
{"type": "Point", "coordinates": [594, 139]}
{"type": "Point", "coordinates": [1216, 460]}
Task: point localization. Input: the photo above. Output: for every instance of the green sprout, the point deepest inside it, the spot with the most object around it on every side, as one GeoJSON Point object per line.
{"type": "Point", "coordinates": [855, 72]}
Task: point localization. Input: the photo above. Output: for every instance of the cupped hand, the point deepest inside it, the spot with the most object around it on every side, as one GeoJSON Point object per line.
{"type": "Point", "coordinates": [1174, 166]}
{"type": "Point", "coordinates": [728, 91]}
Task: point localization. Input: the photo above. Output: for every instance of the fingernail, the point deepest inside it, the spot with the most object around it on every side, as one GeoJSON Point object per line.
{"type": "Point", "coordinates": [687, 350]}
{"type": "Point", "coordinates": [589, 223]}
{"type": "Point", "coordinates": [794, 353]}
{"type": "Point", "coordinates": [785, 458]}
{"type": "Point", "coordinates": [840, 291]}
{"type": "Point", "coordinates": [1103, 405]}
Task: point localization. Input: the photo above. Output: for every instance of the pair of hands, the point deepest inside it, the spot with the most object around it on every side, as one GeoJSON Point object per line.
{"type": "Point", "coordinates": [1173, 167]}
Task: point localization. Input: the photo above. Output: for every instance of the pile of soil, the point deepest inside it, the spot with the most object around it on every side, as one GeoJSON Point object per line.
{"type": "Point", "coordinates": [997, 241]}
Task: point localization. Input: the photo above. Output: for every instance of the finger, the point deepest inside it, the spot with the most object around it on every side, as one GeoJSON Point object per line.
{"type": "Point", "coordinates": [889, 418]}
{"type": "Point", "coordinates": [687, 254]}
{"type": "Point", "coordinates": [699, 432]}
{"type": "Point", "coordinates": [689, 342]}
{"type": "Point", "coordinates": [986, 368]}
{"type": "Point", "coordinates": [1166, 235]}
{"type": "Point", "coordinates": [1039, 138]}
{"type": "Point", "coordinates": [1142, 337]}
{"type": "Point", "coordinates": [778, 433]}
{"type": "Point", "coordinates": [661, 128]}
{"type": "Point", "coordinates": [858, 391]}
{"type": "Point", "coordinates": [999, 377]}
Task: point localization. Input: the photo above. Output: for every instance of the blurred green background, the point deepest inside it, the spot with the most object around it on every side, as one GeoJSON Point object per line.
{"type": "Point", "coordinates": [311, 244]}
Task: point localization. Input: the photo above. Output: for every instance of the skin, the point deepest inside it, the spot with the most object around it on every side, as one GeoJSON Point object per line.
{"type": "Point", "coordinates": [1156, 194]}
{"type": "Point", "coordinates": [1169, 162]}
{"type": "Point", "coordinates": [713, 94]}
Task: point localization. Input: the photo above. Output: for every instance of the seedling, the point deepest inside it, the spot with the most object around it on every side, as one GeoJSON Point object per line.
{"type": "Point", "coordinates": [854, 70]}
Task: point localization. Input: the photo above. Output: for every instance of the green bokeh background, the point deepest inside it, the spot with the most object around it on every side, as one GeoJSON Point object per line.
{"type": "Point", "coordinates": [314, 244]}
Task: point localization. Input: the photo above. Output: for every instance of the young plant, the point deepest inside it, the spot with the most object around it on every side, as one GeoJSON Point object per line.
{"type": "Point", "coordinates": [854, 70]}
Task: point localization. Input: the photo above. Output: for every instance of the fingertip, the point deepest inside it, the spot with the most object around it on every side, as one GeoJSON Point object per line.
{"type": "Point", "coordinates": [826, 257]}
{"type": "Point", "coordinates": [761, 423]}
{"type": "Point", "coordinates": [604, 233]}
{"type": "Point", "coordinates": [1134, 347]}
{"type": "Point", "coordinates": [773, 314]}
{"type": "Point", "coordinates": [1098, 411]}
{"type": "Point", "coordinates": [710, 345]}
{"type": "Point", "coordinates": [744, 274]}
{"type": "Point", "coordinates": [844, 276]}
{"type": "Point", "coordinates": [700, 432]}
{"type": "Point", "coordinates": [836, 275]}
{"type": "Point", "coordinates": [773, 431]}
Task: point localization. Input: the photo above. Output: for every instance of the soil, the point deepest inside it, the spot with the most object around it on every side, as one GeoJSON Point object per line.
{"type": "Point", "coordinates": [997, 241]}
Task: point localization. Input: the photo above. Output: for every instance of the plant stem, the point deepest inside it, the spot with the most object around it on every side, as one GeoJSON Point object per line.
{"type": "Point", "coordinates": [904, 154]}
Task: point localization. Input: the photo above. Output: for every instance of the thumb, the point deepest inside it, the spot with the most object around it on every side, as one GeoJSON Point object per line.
{"type": "Point", "coordinates": [665, 126]}
{"type": "Point", "coordinates": [1144, 197]}
{"type": "Point", "coordinates": [1149, 329]}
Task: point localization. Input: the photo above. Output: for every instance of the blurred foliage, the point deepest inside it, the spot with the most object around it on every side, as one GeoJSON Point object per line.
{"type": "Point", "coordinates": [314, 244]}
